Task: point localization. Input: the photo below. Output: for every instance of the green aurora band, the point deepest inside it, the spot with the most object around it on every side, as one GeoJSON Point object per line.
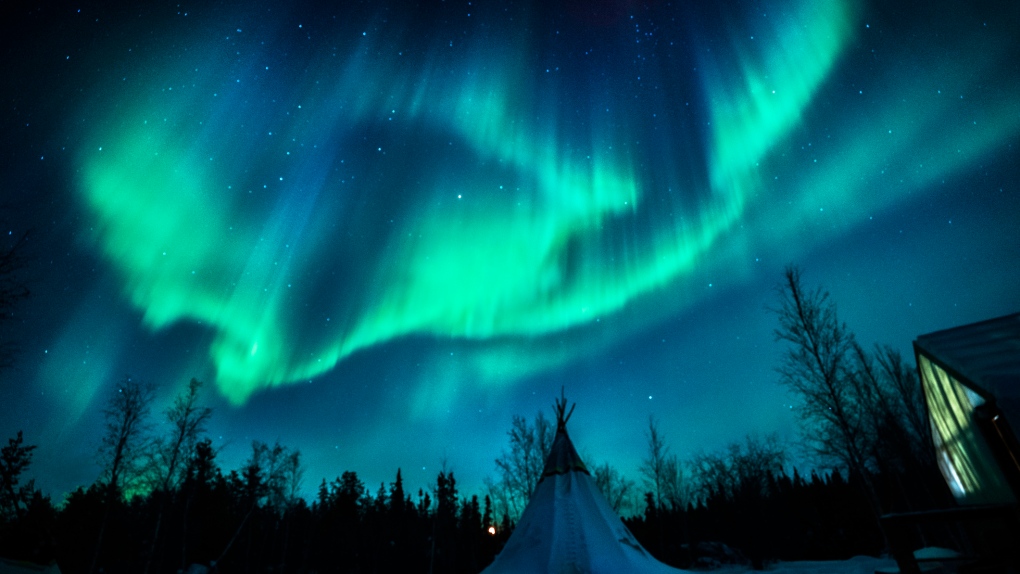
{"type": "Point", "coordinates": [305, 217]}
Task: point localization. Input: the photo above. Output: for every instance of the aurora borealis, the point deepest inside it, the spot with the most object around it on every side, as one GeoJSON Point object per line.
{"type": "Point", "coordinates": [379, 231]}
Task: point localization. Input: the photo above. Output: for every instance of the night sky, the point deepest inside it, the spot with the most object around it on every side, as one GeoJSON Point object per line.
{"type": "Point", "coordinates": [378, 230]}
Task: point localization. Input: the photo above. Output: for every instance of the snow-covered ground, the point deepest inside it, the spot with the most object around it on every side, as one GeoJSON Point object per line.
{"type": "Point", "coordinates": [855, 565]}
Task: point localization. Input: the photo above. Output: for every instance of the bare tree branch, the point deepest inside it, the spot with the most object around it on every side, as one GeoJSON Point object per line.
{"type": "Point", "coordinates": [127, 435]}
{"type": "Point", "coordinates": [520, 468]}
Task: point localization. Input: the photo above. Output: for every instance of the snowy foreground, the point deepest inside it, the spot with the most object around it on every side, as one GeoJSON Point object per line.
{"type": "Point", "coordinates": [931, 559]}
{"type": "Point", "coordinates": [855, 565]}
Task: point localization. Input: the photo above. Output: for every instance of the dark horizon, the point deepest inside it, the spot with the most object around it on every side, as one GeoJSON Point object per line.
{"type": "Point", "coordinates": [377, 233]}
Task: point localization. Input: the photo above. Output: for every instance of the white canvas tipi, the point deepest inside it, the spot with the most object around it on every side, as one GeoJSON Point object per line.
{"type": "Point", "coordinates": [568, 526]}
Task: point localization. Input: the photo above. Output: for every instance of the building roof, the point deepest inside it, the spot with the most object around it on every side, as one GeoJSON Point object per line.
{"type": "Point", "coordinates": [984, 356]}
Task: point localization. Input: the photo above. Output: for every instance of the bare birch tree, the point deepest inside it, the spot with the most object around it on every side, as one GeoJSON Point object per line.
{"type": "Point", "coordinates": [741, 467]}
{"type": "Point", "coordinates": [123, 448]}
{"type": "Point", "coordinates": [186, 418]}
{"type": "Point", "coordinates": [168, 458]}
{"type": "Point", "coordinates": [662, 472]}
{"type": "Point", "coordinates": [906, 392]}
{"type": "Point", "coordinates": [618, 490]}
{"type": "Point", "coordinates": [818, 368]}
{"type": "Point", "coordinates": [520, 468]}
{"type": "Point", "coordinates": [267, 479]}
{"type": "Point", "coordinates": [14, 460]}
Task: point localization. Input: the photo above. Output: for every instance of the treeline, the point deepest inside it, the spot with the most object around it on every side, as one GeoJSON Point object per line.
{"type": "Point", "coordinates": [162, 503]}
{"type": "Point", "coordinates": [741, 506]}
{"type": "Point", "coordinates": [734, 506]}
{"type": "Point", "coordinates": [786, 518]}
{"type": "Point", "coordinates": [863, 418]}
{"type": "Point", "coordinates": [251, 520]}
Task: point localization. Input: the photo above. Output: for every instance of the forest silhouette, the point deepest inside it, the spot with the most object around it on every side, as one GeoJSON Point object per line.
{"type": "Point", "coordinates": [162, 502]}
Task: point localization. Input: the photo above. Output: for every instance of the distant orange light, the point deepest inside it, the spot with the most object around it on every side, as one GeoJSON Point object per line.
{"type": "Point", "coordinates": [492, 530]}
